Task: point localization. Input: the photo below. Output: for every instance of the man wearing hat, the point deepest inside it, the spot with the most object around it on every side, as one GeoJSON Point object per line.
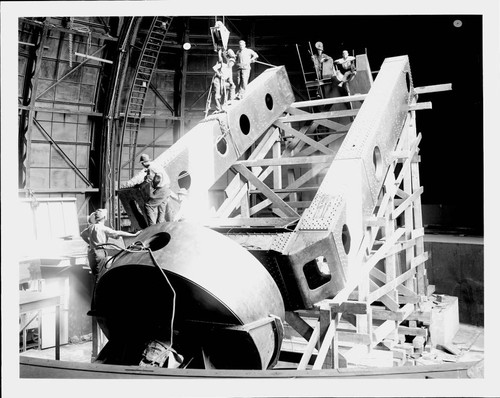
{"type": "Point", "coordinates": [320, 59]}
{"type": "Point", "coordinates": [156, 190]}
{"type": "Point", "coordinates": [223, 85]}
{"type": "Point", "coordinates": [97, 234]}
{"type": "Point", "coordinates": [146, 163]}
{"type": "Point", "coordinates": [144, 175]}
{"type": "Point", "coordinates": [154, 185]}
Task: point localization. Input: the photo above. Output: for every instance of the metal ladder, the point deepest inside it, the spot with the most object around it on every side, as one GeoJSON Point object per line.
{"type": "Point", "coordinates": [312, 86]}
{"type": "Point", "coordinates": [144, 71]}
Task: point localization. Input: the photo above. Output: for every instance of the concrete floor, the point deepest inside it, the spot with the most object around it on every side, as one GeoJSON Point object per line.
{"type": "Point", "coordinates": [469, 341]}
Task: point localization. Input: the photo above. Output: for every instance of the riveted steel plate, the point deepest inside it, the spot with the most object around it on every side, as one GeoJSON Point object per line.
{"type": "Point", "coordinates": [280, 241]}
{"type": "Point", "coordinates": [378, 125]}
{"type": "Point", "coordinates": [266, 98]}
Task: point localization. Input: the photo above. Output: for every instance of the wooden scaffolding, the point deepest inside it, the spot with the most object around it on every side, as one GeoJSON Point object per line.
{"type": "Point", "coordinates": [388, 283]}
{"type": "Point", "coordinates": [386, 302]}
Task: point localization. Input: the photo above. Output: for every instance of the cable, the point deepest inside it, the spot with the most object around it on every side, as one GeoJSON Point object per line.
{"type": "Point", "coordinates": [138, 247]}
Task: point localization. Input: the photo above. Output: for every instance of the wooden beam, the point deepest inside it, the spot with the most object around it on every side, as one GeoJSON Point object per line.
{"type": "Point", "coordinates": [389, 301]}
{"type": "Point", "coordinates": [304, 138]}
{"type": "Point", "coordinates": [319, 116]}
{"type": "Point", "coordinates": [232, 202]}
{"type": "Point", "coordinates": [325, 141]}
{"type": "Point", "coordinates": [412, 331]}
{"type": "Point", "coordinates": [399, 316]}
{"type": "Point", "coordinates": [287, 161]}
{"type": "Point", "coordinates": [407, 163]}
{"type": "Point", "coordinates": [329, 101]}
{"type": "Point", "coordinates": [420, 106]}
{"type": "Point", "coordinates": [402, 289]}
{"type": "Point", "coordinates": [299, 325]}
{"type": "Point", "coordinates": [306, 356]}
{"type": "Point", "coordinates": [402, 194]}
{"type": "Point", "coordinates": [236, 188]}
{"type": "Point", "coordinates": [254, 180]}
{"type": "Point", "coordinates": [353, 337]}
{"type": "Point", "coordinates": [374, 221]}
{"type": "Point", "coordinates": [327, 342]}
{"type": "Point", "coordinates": [433, 89]}
{"type": "Point", "coordinates": [383, 331]}
{"type": "Point", "coordinates": [364, 269]}
{"type": "Point", "coordinates": [400, 279]}
{"type": "Point", "coordinates": [310, 174]}
{"type": "Point", "coordinates": [330, 124]}
{"type": "Point", "coordinates": [351, 307]}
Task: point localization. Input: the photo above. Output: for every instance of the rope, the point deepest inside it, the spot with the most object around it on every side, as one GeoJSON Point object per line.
{"type": "Point", "coordinates": [209, 97]}
{"type": "Point", "coordinates": [224, 127]}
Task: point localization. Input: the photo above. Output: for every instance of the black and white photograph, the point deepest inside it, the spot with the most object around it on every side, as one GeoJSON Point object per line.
{"type": "Point", "coordinates": [249, 199]}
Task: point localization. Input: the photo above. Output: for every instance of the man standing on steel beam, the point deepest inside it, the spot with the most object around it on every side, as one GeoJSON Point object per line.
{"type": "Point", "coordinates": [244, 58]}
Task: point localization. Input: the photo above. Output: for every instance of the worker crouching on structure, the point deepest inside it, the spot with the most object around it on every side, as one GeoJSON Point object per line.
{"type": "Point", "coordinates": [347, 68]}
{"type": "Point", "coordinates": [154, 185]}
{"type": "Point", "coordinates": [156, 191]}
{"type": "Point", "coordinates": [98, 234]}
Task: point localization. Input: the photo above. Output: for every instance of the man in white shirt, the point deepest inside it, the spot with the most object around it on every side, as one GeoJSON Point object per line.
{"type": "Point", "coordinates": [244, 58]}
{"type": "Point", "coordinates": [347, 68]}
{"type": "Point", "coordinates": [97, 234]}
